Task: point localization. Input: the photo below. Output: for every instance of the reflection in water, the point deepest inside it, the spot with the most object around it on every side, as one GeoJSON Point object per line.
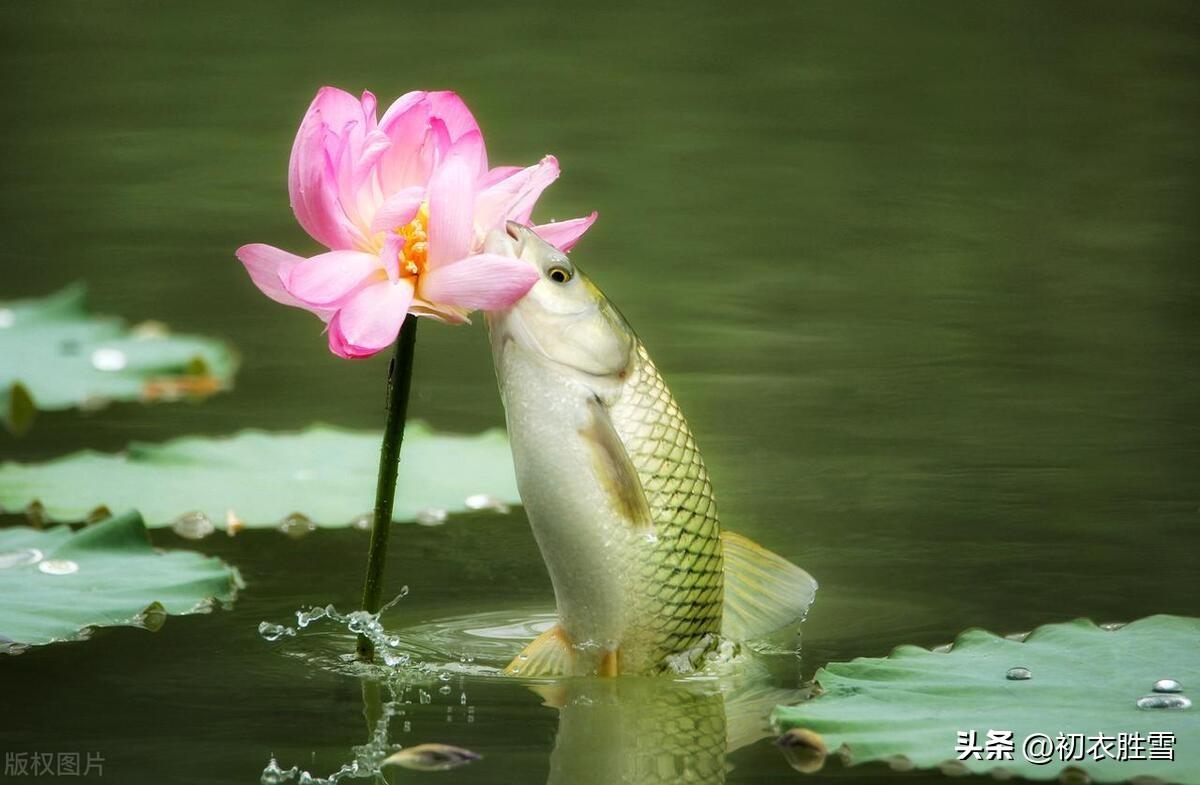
{"type": "Point", "coordinates": [611, 731]}
{"type": "Point", "coordinates": [644, 731]}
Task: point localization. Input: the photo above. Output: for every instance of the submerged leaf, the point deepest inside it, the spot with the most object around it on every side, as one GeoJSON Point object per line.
{"type": "Point", "coordinates": [55, 584]}
{"type": "Point", "coordinates": [54, 355]}
{"type": "Point", "coordinates": [912, 706]}
{"type": "Point", "coordinates": [321, 475]}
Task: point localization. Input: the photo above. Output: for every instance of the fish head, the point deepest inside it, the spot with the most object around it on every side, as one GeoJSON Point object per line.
{"type": "Point", "coordinates": [564, 319]}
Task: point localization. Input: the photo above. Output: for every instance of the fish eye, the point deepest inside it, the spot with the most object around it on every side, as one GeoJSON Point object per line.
{"type": "Point", "coordinates": [558, 274]}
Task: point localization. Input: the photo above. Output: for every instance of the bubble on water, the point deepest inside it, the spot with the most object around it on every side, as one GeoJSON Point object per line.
{"type": "Point", "coordinates": [58, 567]}
{"type": "Point", "coordinates": [108, 359]}
{"type": "Point", "coordinates": [431, 516]}
{"type": "Point", "coordinates": [1018, 674]}
{"type": "Point", "coordinates": [274, 775]}
{"type": "Point", "coordinates": [1167, 685]}
{"type": "Point", "coordinates": [297, 525]}
{"type": "Point", "coordinates": [273, 632]}
{"type": "Point", "coordinates": [1160, 701]}
{"type": "Point", "coordinates": [483, 501]}
{"type": "Point", "coordinates": [20, 558]}
{"type": "Point", "coordinates": [7, 318]}
{"type": "Point", "coordinates": [307, 617]}
{"type": "Point", "coordinates": [193, 526]}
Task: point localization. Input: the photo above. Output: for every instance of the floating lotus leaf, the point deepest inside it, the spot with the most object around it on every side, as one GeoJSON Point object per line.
{"type": "Point", "coordinates": [56, 584]}
{"type": "Point", "coordinates": [254, 478]}
{"type": "Point", "coordinates": [54, 355]}
{"type": "Point", "coordinates": [911, 706]}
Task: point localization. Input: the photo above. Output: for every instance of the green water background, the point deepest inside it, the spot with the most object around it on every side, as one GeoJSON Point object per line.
{"type": "Point", "coordinates": [923, 277]}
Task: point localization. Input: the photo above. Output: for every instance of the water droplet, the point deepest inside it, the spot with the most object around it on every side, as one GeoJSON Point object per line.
{"type": "Point", "coordinates": [1160, 701]}
{"type": "Point", "coordinates": [193, 526]}
{"type": "Point", "coordinates": [9, 559]}
{"type": "Point", "coordinates": [233, 524]}
{"type": "Point", "coordinates": [58, 567]}
{"type": "Point", "coordinates": [273, 775]}
{"type": "Point", "coordinates": [305, 618]}
{"type": "Point", "coordinates": [431, 516]}
{"type": "Point", "coordinates": [7, 318]}
{"type": "Point", "coordinates": [444, 689]}
{"type": "Point", "coordinates": [1018, 674]}
{"type": "Point", "coordinates": [273, 632]}
{"type": "Point", "coordinates": [297, 525]}
{"type": "Point", "coordinates": [362, 522]}
{"type": "Point", "coordinates": [1167, 685]}
{"type": "Point", "coordinates": [482, 501]}
{"type": "Point", "coordinates": [108, 360]}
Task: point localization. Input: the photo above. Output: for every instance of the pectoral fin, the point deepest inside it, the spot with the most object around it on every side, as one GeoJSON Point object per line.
{"type": "Point", "coordinates": [763, 591]}
{"type": "Point", "coordinates": [547, 656]}
{"type": "Point", "coordinates": [615, 471]}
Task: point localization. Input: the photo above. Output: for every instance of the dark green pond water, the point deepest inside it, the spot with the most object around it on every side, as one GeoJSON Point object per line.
{"type": "Point", "coordinates": [923, 277]}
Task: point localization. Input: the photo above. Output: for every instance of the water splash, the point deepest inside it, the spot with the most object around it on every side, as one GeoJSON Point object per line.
{"type": "Point", "coordinates": [273, 632]}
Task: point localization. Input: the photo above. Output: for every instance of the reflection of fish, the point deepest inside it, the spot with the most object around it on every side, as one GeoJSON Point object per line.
{"type": "Point", "coordinates": [640, 731]}
{"type": "Point", "coordinates": [616, 491]}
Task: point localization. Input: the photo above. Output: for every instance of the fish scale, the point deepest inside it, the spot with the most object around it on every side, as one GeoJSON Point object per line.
{"type": "Point", "coordinates": [680, 579]}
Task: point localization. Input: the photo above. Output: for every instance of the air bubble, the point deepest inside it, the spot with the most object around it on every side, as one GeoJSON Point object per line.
{"type": "Point", "coordinates": [431, 516]}
{"type": "Point", "coordinates": [110, 360]}
{"type": "Point", "coordinates": [58, 567]}
{"type": "Point", "coordinates": [9, 559]}
{"type": "Point", "coordinates": [1160, 701]}
{"type": "Point", "coordinates": [193, 526]}
{"type": "Point", "coordinates": [483, 501]}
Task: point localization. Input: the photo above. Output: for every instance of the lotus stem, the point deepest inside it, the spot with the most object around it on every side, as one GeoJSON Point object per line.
{"type": "Point", "coordinates": [399, 382]}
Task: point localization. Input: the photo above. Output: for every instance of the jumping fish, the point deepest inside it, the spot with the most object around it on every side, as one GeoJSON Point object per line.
{"type": "Point", "coordinates": [616, 491]}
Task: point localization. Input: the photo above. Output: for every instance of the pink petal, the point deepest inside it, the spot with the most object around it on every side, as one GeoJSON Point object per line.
{"type": "Point", "coordinates": [564, 234]}
{"type": "Point", "coordinates": [398, 209]}
{"type": "Point", "coordinates": [406, 162]}
{"type": "Point", "coordinates": [496, 175]}
{"type": "Point", "coordinates": [313, 195]}
{"type": "Point", "coordinates": [326, 279]}
{"type": "Point", "coordinates": [513, 198]}
{"type": "Point", "coordinates": [370, 320]}
{"type": "Point", "coordinates": [487, 281]}
{"type": "Point", "coordinates": [454, 113]}
{"type": "Point", "coordinates": [389, 255]}
{"type": "Point", "coordinates": [451, 196]}
{"type": "Point", "coordinates": [267, 265]}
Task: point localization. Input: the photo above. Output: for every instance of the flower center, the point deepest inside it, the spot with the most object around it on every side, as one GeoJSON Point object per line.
{"type": "Point", "coordinates": [413, 253]}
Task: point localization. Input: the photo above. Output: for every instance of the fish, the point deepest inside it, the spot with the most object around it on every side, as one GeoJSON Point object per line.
{"type": "Point", "coordinates": [616, 491]}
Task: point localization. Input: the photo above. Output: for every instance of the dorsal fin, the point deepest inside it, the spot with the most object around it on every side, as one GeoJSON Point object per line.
{"type": "Point", "coordinates": [612, 465]}
{"type": "Point", "coordinates": [547, 656]}
{"type": "Point", "coordinates": [764, 592]}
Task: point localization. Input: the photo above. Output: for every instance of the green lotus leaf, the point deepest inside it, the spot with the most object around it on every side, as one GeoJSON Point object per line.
{"type": "Point", "coordinates": [910, 707]}
{"type": "Point", "coordinates": [254, 478]}
{"type": "Point", "coordinates": [57, 584]}
{"type": "Point", "coordinates": [54, 355]}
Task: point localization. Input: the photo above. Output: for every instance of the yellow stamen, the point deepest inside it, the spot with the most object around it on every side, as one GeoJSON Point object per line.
{"type": "Point", "coordinates": [415, 251]}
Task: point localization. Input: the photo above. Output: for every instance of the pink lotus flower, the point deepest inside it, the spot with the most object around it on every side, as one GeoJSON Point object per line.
{"type": "Point", "coordinates": [403, 205]}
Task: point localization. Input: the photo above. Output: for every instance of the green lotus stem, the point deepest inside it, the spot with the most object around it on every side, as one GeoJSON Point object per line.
{"type": "Point", "coordinates": [399, 382]}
